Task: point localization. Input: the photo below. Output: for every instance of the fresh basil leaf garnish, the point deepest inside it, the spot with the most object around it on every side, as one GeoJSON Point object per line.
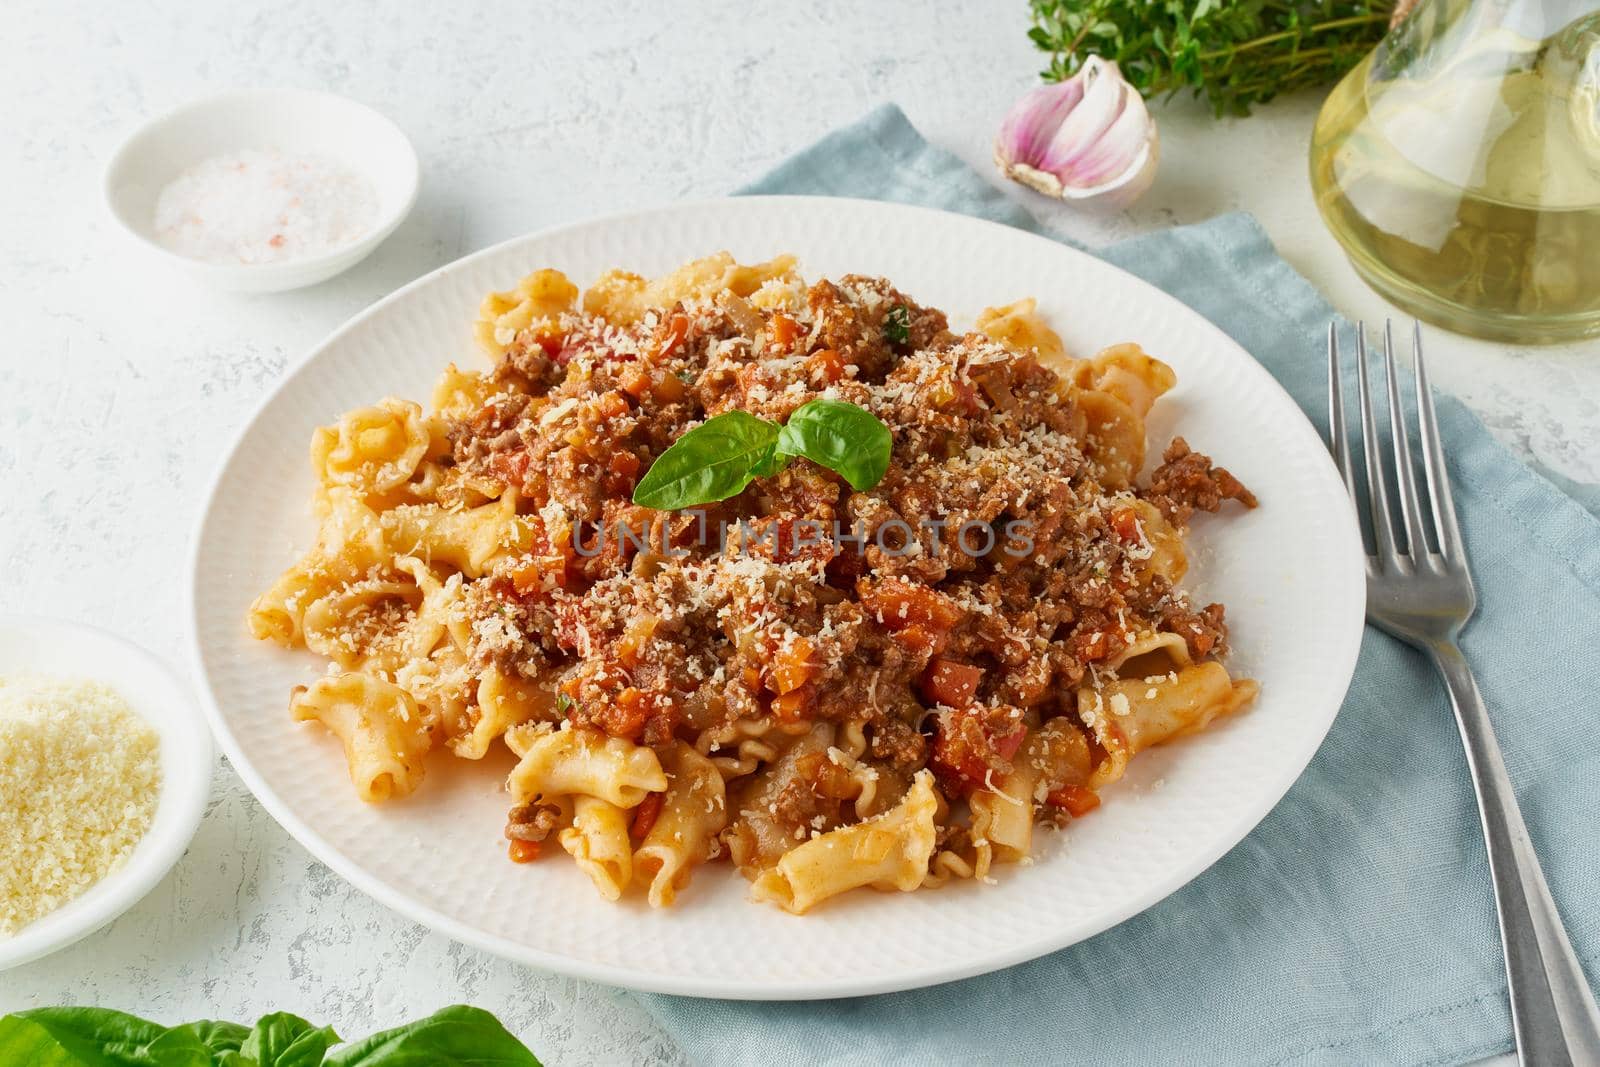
{"type": "Point", "coordinates": [849, 440]}
{"type": "Point", "coordinates": [897, 324]}
{"type": "Point", "coordinates": [713, 461]}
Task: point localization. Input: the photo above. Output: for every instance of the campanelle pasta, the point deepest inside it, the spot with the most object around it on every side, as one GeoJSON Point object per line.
{"type": "Point", "coordinates": [962, 654]}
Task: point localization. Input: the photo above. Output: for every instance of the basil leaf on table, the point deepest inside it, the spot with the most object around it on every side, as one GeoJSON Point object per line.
{"type": "Point", "coordinates": [216, 1034]}
{"type": "Point", "coordinates": [848, 440]}
{"type": "Point", "coordinates": [713, 461]}
{"type": "Point", "coordinates": [284, 1040]}
{"type": "Point", "coordinates": [96, 1037]}
{"type": "Point", "coordinates": [458, 1036]}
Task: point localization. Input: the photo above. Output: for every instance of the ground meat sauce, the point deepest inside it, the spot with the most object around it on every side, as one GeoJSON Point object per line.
{"type": "Point", "coordinates": [939, 650]}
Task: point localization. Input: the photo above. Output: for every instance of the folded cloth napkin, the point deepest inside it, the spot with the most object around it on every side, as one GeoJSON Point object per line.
{"type": "Point", "coordinates": [1355, 924]}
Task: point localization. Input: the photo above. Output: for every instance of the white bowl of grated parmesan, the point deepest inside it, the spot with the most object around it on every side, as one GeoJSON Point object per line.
{"type": "Point", "coordinates": [105, 769]}
{"type": "Point", "coordinates": [261, 190]}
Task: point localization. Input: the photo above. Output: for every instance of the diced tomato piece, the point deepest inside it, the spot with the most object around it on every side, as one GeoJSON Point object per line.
{"type": "Point", "coordinates": [554, 343]}
{"type": "Point", "coordinates": [524, 851]}
{"type": "Point", "coordinates": [645, 815]}
{"type": "Point", "coordinates": [623, 467]}
{"type": "Point", "coordinates": [511, 467]}
{"type": "Point", "coordinates": [782, 330]}
{"type": "Point", "coordinates": [959, 758]}
{"type": "Point", "coordinates": [1125, 522]}
{"type": "Point", "coordinates": [965, 749]}
{"type": "Point", "coordinates": [1094, 646]}
{"type": "Point", "coordinates": [950, 682]}
{"type": "Point", "coordinates": [801, 542]}
{"type": "Point", "coordinates": [1007, 746]}
{"type": "Point", "coordinates": [1075, 800]}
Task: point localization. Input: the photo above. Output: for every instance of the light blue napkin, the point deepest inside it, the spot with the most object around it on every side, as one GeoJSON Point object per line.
{"type": "Point", "coordinates": [1355, 924]}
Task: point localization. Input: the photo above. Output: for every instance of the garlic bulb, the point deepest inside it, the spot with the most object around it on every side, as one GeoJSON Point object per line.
{"type": "Point", "coordinates": [1088, 139]}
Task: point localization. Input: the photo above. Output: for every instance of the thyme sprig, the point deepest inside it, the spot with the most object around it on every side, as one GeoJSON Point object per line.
{"type": "Point", "coordinates": [1233, 53]}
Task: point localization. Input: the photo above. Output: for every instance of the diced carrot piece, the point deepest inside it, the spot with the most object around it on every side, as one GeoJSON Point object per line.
{"type": "Point", "coordinates": [826, 364]}
{"type": "Point", "coordinates": [669, 388]}
{"type": "Point", "coordinates": [782, 330]}
{"type": "Point", "coordinates": [634, 380]}
{"type": "Point", "coordinates": [1075, 800]}
{"type": "Point", "coordinates": [625, 715]}
{"type": "Point", "coordinates": [792, 668]}
{"type": "Point", "coordinates": [645, 815]}
{"type": "Point", "coordinates": [670, 336]}
{"type": "Point", "coordinates": [529, 579]}
{"type": "Point", "coordinates": [897, 604]}
{"type": "Point", "coordinates": [524, 851]}
{"type": "Point", "coordinates": [793, 706]}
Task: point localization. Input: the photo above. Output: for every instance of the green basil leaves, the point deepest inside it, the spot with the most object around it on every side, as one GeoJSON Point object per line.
{"type": "Point", "coordinates": [713, 461]}
{"type": "Point", "coordinates": [458, 1036]}
{"type": "Point", "coordinates": [848, 440]}
{"type": "Point", "coordinates": [720, 457]}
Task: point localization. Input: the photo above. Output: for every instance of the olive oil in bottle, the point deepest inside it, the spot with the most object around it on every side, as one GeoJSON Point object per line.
{"type": "Point", "coordinates": [1459, 166]}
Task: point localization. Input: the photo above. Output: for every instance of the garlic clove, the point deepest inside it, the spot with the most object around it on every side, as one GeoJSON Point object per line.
{"type": "Point", "coordinates": [1089, 139]}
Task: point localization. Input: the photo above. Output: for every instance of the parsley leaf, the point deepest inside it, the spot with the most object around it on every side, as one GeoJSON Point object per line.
{"type": "Point", "coordinates": [897, 324]}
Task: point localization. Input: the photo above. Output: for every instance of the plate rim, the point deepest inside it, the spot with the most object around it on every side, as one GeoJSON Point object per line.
{"type": "Point", "coordinates": [1151, 893]}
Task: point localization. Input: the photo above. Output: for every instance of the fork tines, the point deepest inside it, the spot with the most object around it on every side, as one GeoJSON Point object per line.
{"type": "Point", "coordinates": [1413, 527]}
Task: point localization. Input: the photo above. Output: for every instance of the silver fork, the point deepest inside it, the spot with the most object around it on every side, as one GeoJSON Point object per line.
{"type": "Point", "coordinates": [1422, 593]}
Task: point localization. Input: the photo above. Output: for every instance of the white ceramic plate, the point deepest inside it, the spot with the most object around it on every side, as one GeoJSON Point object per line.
{"type": "Point", "coordinates": [1289, 572]}
{"type": "Point", "coordinates": [70, 651]}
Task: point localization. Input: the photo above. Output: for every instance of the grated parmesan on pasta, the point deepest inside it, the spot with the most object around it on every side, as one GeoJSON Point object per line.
{"type": "Point", "coordinates": [80, 777]}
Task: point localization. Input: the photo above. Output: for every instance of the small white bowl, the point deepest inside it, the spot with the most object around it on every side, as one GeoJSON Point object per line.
{"type": "Point", "coordinates": [297, 121]}
{"type": "Point", "coordinates": [70, 651]}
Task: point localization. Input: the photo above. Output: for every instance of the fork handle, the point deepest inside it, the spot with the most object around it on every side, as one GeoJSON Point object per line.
{"type": "Point", "coordinates": [1552, 1007]}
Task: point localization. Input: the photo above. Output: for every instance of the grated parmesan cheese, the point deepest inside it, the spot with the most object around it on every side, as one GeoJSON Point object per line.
{"type": "Point", "coordinates": [80, 778]}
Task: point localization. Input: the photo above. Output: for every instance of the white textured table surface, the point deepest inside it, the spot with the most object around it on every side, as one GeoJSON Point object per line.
{"type": "Point", "coordinates": [120, 382]}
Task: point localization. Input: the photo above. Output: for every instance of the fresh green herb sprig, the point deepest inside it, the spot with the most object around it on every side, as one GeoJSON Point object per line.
{"type": "Point", "coordinates": [458, 1036]}
{"type": "Point", "coordinates": [1234, 53]}
{"type": "Point", "coordinates": [724, 454]}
